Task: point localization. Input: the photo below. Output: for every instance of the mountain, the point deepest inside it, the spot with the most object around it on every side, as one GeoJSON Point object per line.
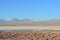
{"type": "Point", "coordinates": [14, 20]}
{"type": "Point", "coordinates": [26, 21]}
{"type": "Point", "coordinates": [23, 22]}
{"type": "Point", "coordinates": [2, 21]}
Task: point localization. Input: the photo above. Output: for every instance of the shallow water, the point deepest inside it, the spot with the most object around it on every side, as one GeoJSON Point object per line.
{"type": "Point", "coordinates": [29, 27]}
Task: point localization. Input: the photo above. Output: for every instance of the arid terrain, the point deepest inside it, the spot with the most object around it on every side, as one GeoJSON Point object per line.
{"type": "Point", "coordinates": [29, 22]}
{"type": "Point", "coordinates": [50, 35]}
{"type": "Point", "coordinates": [29, 32]}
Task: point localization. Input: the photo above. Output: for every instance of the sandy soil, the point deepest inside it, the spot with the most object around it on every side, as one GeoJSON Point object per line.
{"type": "Point", "coordinates": [50, 35]}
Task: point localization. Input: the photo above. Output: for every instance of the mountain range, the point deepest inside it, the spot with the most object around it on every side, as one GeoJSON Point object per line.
{"type": "Point", "coordinates": [28, 22]}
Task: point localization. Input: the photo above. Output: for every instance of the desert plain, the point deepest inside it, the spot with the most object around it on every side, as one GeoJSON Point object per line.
{"type": "Point", "coordinates": [30, 33]}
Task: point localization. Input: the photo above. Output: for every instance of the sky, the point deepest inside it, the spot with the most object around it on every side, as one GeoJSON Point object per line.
{"type": "Point", "coordinates": [31, 9]}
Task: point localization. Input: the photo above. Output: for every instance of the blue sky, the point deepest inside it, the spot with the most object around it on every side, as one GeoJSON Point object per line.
{"type": "Point", "coordinates": [32, 9]}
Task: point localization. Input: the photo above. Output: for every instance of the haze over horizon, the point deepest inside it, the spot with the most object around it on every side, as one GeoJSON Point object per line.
{"type": "Point", "coordinates": [30, 9]}
{"type": "Point", "coordinates": [17, 19]}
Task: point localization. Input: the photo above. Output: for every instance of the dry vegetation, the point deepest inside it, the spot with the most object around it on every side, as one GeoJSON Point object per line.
{"type": "Point", "coordinates": [50, 35]}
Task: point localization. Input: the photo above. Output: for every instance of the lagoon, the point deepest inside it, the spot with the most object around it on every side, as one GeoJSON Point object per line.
{"type": "Point", "coordinates": [29, 27]}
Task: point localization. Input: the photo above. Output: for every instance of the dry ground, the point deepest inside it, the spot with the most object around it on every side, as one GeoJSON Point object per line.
{"type": "Point", "coordinates": [50, 35]}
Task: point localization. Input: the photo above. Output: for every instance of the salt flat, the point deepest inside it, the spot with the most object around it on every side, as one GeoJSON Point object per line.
{"type": "Point", "coordinates": [29, 27]}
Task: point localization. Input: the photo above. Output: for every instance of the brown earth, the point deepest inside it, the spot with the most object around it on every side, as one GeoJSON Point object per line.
{"type": "Point", "coordinates": [50, 35]}
{"type": "Point", "coordinates": [30, 25]}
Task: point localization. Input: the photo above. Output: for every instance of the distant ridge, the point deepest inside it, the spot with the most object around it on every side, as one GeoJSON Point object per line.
{"type": "Point", "coordinates": [15, 19]}
{"type": "Point", "coordinates": [2, 21]}
{"type": "Point", "coordinates": [28, 22]}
